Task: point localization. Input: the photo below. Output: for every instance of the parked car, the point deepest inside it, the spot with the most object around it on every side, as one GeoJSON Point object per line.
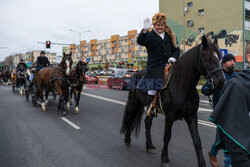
{"type": "Point", "coordinates": [121, 78]}
{"type": "Point", "coordinates": [91, 77]}
{"type": "Point", "coordinates": [98, 72]}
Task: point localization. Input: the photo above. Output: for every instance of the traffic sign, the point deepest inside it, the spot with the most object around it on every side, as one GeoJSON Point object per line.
{"type": "Point", "coordinates": [223, 52]}
{"type": "Point", "coordinates": [88, 59]}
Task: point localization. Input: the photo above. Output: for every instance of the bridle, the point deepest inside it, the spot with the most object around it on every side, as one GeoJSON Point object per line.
{"type": "Point", "coordinates": [209, 74]}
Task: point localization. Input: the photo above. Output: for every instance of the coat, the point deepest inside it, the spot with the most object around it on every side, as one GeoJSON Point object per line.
{"type": "Point", "coordinates": [159, 51]}
{"type": "Point", "coordinates": [232, 112]}
{"type": "Point", "coordinates": [42, 61]}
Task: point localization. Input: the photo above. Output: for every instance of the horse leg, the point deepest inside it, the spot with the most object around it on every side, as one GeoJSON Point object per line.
{"type": "Point", "coordinates": [192, 126]}
{"type": "Point", "coordinates": [41, 97]}
{"type": "Point", "coordinates": [46, 97]}
{"type": "Point", "coordinates": [149, 145]}
{"type": "Point", "coordinates": [77, 99]}
{"type": "Point", "coordinates": [61, 108]}
{"type": "Point", "coordinates": [66, 97]}
{"type": "Point", "coordinates": [167, 136]}
{"type": "Point", "coordinates": [70, 100]}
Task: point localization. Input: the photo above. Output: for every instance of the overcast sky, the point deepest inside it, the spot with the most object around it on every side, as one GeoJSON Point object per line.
{"type": "Point", "coordinates": [25, 22]}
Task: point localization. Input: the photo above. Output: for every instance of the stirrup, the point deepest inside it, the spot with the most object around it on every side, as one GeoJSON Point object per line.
{"type": "Point", "coordinates": [151, 108]}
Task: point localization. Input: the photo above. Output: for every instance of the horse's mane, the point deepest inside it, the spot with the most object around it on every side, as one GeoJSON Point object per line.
{"type": "Point", "coordinates": [185, 66]}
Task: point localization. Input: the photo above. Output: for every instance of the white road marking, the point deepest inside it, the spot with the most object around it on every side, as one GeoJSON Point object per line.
{"type": "Point", "coordinates": [204, 109]}
{"type": "Point", "coordinates": [204, 101]}
{"type": "Point", "coordinates": [206, 123]}
{"type": "Point", "coordinates": [70, 123]}
{"type": "Point", "coordinates": [105, 98]}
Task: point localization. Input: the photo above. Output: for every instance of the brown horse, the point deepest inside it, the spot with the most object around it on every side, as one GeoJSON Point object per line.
{"type": "Point", "coordinates": [76, 81]}
{"type": "Point", "coordinates": [49, 78]}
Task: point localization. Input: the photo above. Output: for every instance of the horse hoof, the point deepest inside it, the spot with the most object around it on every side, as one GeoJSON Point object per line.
{"type": "Point", "coordinates": [68, 107]}
{"type": "Point", "coordinates": [127, 143]}
{"type": "Point", "coordinates": [76, 111]}
{"type": "Point", "coordinates": [152, 151]}
{"type": "Point", "coordinates": [44, 109]}
{"type": "Point", "coordinates": [165, 165]}
{"type": "Point", "coordinates": [64, 113]}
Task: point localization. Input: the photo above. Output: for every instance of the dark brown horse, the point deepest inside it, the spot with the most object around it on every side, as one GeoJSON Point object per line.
{"type": "Point", "coordinates": [179, 99]}
{"type": "Point", "coordinates": [6, 75]}
{"type": "Point", "coordinates": [49, 78]}
{"type": "Point", "coordinates": [76, 81]}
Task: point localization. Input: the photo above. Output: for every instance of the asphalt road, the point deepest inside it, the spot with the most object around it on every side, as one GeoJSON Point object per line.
{"type": "Point", "coordinates": [32, 138]}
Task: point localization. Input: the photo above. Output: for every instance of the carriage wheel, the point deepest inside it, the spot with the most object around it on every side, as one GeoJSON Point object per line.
{"type": "Point", "coordinates": [27, 94]}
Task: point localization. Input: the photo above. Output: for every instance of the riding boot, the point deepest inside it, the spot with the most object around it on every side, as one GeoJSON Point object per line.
{"type": "Point", "coordinates": [148, 102]}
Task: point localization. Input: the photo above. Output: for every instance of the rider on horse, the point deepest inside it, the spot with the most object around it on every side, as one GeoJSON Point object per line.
{"type": "Point", "coordinates": [42, 61]}
{"type": "Point", "coordinates": [162, 48]}
{"type": "Point", "coordinates": [21, 65]}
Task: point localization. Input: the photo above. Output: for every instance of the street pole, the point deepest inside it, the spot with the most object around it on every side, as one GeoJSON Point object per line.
{"type": "Point", "coordinates": [184, 31]}
{"type": "Point", "coordinates": [80, 34]}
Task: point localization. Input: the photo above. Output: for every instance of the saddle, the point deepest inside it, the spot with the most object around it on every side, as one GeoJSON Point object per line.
{"type": "Point", "coordinates": [153, 106]}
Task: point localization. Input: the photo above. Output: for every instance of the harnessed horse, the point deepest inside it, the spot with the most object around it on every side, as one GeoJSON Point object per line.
{"type": "Point", "coordinates": [76, 81]}
{"type": "Point", "coordinates": [6, 75]}
{"type": "Point", "coordinates": [179, 99]}
{"type": "Point", "coordinates": [56, 78]}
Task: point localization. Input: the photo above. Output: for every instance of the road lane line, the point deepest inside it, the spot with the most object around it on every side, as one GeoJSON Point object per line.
{"type": "Point", "coordinates": [204, 101]}
{"type": "Point", "coordinates": [70, 123]}
{"type": "Point", "coordinates": [206, 124]}
{"type": "Point", "coordinates": [104, 98]}
{"type": "Point", "coordinates": [204, 109]}
{"type": "Point", "coordinates": [124, 103]}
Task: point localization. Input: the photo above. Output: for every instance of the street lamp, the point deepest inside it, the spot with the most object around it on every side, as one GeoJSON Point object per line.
{"type": "Point", "coordinates": [80, 34]}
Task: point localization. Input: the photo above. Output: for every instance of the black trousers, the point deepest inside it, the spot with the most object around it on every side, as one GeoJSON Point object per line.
{"type": "Point", "coordinates": [239, 157]}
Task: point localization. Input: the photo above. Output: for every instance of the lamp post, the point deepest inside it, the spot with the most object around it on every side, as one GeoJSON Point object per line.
{"type": "Point", "coordinates": [80, 34]}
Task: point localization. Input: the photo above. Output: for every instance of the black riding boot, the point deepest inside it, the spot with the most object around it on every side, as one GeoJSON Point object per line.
{"type": "Point", "coordinates": [149, 100]}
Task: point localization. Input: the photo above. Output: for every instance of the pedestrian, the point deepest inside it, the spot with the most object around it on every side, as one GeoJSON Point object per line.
{"type": "Point", "coordinates": [228, 64]}
{"type": "Point", "coordinates": [161, 45]}
{"type": "Point", "coordinates": [232, 117]}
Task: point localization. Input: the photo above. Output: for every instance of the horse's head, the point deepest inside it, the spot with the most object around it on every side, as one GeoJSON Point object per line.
{"type": "Point", "coordinates": [81, 67]}
{"type": "Point", "coordinates": [210, 58]}
{"type": "Point", "coordinates": [66, 63]}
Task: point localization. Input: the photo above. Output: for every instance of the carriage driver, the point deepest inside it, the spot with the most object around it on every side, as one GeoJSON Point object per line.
{"type": "Point", "coordinates": [162, 48]}
{"type": "Point", "coordinates": [20, 65]}
{"type": "Point", "coordinates": [42, 61]}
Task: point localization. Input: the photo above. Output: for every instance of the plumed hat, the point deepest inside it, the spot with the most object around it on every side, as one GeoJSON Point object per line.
{"type": "Point", "coordinates": [159, 17]}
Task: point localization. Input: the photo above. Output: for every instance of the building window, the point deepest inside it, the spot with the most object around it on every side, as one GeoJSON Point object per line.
{"type": "Point", "coordinates": [201, 30]}
{"type": "Point", "coordinates": [190, 23]}
{"type": "Point", "coordinates": [247, 25]}
{"type": "Point", "coordinates": [201, 12]}
{"type": "Point", "coordinates": [247, 5]}
{"type": "Point", "coordinates": [190, 4]}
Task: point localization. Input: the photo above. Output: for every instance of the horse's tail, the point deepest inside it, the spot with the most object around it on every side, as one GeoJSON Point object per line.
{"type": "Point", "coordinates": [132, 114]}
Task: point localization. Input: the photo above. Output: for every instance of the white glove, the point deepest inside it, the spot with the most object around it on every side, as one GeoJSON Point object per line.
{"type": "Point", "coordinates": [171, 60]}
{"type": "Point", "coordinates": [147, 24]}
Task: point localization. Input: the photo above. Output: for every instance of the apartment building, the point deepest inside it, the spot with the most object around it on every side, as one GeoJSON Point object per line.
{"type": "Point", "coordinates": [189, 18]}
{"type": "Point", "coordinates": [114, 51]}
